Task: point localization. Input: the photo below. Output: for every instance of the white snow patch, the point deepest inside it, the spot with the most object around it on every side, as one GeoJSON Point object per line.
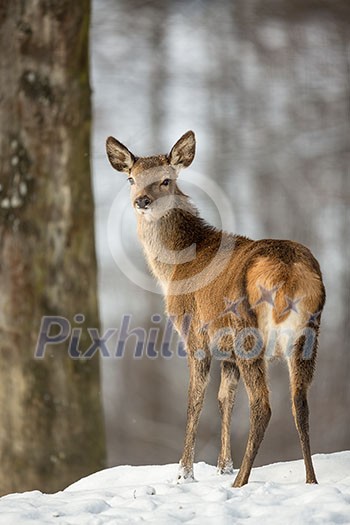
{"type": "Point", "coordinates": [125, 495]}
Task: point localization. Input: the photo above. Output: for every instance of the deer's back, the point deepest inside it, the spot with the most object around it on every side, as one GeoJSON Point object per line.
{"type": "Point", "coordinates": [265, 284]}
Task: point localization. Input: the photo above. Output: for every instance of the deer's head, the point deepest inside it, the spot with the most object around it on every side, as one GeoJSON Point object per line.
{"type": "Point", "coordinates": [153, 179]}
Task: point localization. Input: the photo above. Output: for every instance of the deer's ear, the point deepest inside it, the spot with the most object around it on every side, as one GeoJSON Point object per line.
{"type": "Point", "coordinates": [119, 156]}
{"type": "Point", "coordinates": [182, 154]}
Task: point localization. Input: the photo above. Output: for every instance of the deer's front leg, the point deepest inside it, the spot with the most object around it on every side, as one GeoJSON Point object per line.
{"type": "Point", "coordinates": [199, 378]}
{"type": "Point", "coordinates": [226, 397]}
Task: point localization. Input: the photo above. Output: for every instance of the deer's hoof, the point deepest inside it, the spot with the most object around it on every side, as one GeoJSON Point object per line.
{"type": "Point", "coordinates": [225, 468]}
{"type": "Point", "coordinates": [312, 481]}
{"type": "Point", "coordinates": [239, 482]}
{"type": "Point", "coordinates": [184, 475]}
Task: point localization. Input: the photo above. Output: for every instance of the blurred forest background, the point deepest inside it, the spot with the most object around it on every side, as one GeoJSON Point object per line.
{"type": "Point", "coordinates": [266, 87]}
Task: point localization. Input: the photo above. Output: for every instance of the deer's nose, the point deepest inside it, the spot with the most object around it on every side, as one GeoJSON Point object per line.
{"type": "Point", "coordinates": [143, 202]}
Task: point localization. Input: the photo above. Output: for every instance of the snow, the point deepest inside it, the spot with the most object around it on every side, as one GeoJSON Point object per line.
{"type": "Point", "coordinates": [149, 494]}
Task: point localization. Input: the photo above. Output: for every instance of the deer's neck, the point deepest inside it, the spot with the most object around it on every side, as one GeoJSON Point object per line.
{"type": "Point", "coordinates": [174, 239]}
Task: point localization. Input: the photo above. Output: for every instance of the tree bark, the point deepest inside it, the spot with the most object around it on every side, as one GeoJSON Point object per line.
{"type": "Point", "coordinates": [51, 429]}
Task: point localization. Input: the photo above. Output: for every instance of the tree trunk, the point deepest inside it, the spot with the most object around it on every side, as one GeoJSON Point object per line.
{"type": "Point", "coordinates": [51, 430]}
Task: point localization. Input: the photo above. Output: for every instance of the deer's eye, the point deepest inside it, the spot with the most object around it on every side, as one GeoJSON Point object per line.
{"type": "Point", "coordinates": [131, 181]}
{"type": "Point", "coordinates": [165, 182]}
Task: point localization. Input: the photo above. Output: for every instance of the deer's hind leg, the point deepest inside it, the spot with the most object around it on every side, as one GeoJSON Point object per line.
{"type": "Point", "coordinates": [254, 376]}
{"type": "Point", "coordinates": [301, 369]}
{"type": "Point", "coordinates": [227, 392]}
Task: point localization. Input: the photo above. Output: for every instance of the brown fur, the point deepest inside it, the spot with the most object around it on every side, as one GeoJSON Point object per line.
{"type": "Point", "coordinates": [218, 286]}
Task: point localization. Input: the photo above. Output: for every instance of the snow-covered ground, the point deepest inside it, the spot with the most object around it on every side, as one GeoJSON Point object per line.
{"type": "Point", "coordinates": [121, 495]}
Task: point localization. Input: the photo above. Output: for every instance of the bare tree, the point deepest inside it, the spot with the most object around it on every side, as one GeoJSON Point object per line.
{"type": "Point", "coordinates": [51, 430]}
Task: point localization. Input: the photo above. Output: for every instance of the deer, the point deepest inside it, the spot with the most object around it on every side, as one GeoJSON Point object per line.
{"type": "Point", "coordinates": [230, 298]}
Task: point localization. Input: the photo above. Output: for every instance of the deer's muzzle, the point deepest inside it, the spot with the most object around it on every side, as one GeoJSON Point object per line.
{"type": "Point", "coordinates": [143, 202]}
